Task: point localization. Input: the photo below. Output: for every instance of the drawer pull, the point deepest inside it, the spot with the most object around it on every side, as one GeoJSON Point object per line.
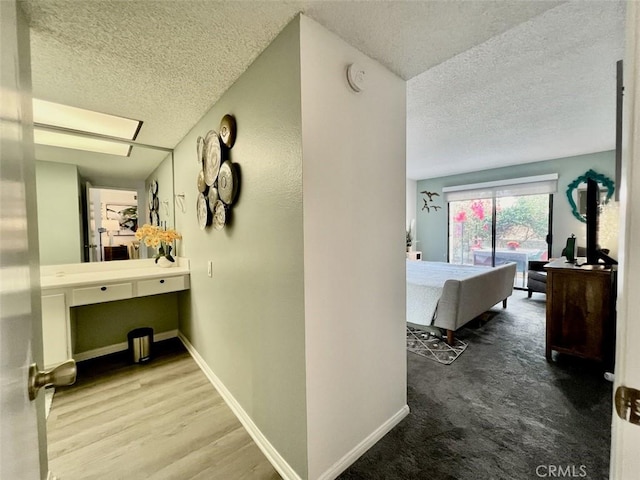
{"type": "Point", "coordinates": [103, 288]}
{"type": "Point", "coordinates": [162, 281]}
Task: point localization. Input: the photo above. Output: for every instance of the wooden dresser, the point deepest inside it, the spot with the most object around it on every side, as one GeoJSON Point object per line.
{"type": "Point", "coordinates": [119, 252]}
{"type": "Point", "coordinates": [581, 310]}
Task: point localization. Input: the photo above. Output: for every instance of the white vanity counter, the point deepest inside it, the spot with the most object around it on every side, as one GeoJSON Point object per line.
{"type": "Point", "coordinates": [72, 285]}
{"type": "Point", "coordinates": [76, 274]}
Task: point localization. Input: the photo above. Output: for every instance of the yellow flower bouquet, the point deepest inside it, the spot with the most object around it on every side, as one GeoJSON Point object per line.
{"type": "Point", "coordinates": [158, 238]}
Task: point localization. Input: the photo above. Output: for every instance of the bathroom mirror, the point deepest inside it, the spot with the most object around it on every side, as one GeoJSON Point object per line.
{"type": "Point", "coordinates": [88, 201]}
{"type": "Point", "coordinates": [577, 191]}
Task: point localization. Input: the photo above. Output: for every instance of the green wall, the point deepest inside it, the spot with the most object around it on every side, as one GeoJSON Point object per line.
{"type": "Point", "coordinates": [59, 218]}
{"type": "Point", "coordinates": [432, 226]}
{"type": "Point", "coordinates": [103, 324]}
{"type": "Point", "coordinates": [247, 321]}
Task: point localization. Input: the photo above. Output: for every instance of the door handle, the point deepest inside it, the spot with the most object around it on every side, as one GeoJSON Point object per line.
{"type": "Point", "coordinates": [59, 376]}
{"type": "Point", "coordinates": [627, 401]}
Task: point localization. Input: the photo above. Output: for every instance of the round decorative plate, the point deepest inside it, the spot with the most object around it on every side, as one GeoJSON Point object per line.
{"type": "Point", "coordinates": [219, 215]}
{"type": "Point", "coordinates": [150, 197]}
{"type": "Point", "coordinates": [228, 130]}
{"type": "Point", "coordinates": [154, 187]}
{"type": "Point", "coordinates": [227, 184]}
{"type": "Point", "coordinates": [211, 157]}
{"type": "Point", "coordinates": [204, 217]}
{"type": "Point", "coordinates": [212, 197]}
{"type": "Point", "coordinates": [200, 149]}
{"type": "Point", "coordinates": [155, 219]}
{"type": "Point", "coordinates": [202, 186]}
{"type": "Point", "coordinates": [156, 203]}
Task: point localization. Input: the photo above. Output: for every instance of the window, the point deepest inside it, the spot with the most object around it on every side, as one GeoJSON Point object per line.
{"type": "Point", "coordinates": [498, 222]}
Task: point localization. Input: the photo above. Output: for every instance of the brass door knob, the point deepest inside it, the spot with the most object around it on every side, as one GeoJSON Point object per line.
{"type": "Point", "coordinates": [59, 376]}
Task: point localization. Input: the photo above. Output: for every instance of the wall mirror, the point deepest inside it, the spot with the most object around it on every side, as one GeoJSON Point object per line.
{"type": "Point", "coordinates": [90, 204]}
{"type": "Point", "coordinates": [577, 192]}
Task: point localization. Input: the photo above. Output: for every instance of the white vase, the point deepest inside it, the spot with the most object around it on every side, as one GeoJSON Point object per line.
{"type": "Point", "coordinates": [164, 262]}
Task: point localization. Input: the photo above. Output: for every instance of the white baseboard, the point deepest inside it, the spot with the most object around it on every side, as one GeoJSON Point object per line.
{"type": "Point", "coordinates": [119, 347]}
{"type": "Point", "coordinates": [279, 463]}
{"type": "Point", "coordinates": [341, 465]}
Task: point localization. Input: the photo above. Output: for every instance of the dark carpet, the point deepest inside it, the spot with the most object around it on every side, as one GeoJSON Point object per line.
{"type": "Point", "coordinates": [500, 411]}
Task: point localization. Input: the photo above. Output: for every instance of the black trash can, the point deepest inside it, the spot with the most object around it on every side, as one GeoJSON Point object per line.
{"type": "Point", "coordinates": [140, 344]}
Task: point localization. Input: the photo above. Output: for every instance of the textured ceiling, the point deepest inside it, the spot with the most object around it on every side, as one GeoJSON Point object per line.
{"type": "Point", "coordinates": [167, 63]}
{"type": "Point", "coordinates": [544, 89]}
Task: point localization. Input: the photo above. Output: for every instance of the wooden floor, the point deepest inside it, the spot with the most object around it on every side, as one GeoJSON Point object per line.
{"type": "Point", "coordinates": [161, 420]}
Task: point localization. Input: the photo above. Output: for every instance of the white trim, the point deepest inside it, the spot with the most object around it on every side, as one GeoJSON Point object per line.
{"type": "Point", "coordinates": [119, 347]}
{"type": "Point", "coordinates": [502, 183]}
{"type": "Point", "coordinates": [274, 457]}
{"type": "Point", "coordinates": [341, 465]}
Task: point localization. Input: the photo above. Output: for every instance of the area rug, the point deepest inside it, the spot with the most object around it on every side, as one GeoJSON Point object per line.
{"type": "Point", "coordinates": [433, 347]}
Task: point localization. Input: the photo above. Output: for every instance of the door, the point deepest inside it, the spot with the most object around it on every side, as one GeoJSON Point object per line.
{"type": "Point", "coordinates": [23, 449]}
{"type": "Point", "coordinates": [522, 228]}
{"type": "Point", "coordinates": [625, 438]}
{"type": "Point", "coordinates": [499, 229]}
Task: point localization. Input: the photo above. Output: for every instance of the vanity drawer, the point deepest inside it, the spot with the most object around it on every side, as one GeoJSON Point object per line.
{"type": "Point", "coordinates": [161, 285]}
{"type": "Point", "coordinates": [101, 293]}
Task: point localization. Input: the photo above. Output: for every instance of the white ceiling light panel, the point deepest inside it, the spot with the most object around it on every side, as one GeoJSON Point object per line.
{"type": "Point", "coordinates": [64, 116]}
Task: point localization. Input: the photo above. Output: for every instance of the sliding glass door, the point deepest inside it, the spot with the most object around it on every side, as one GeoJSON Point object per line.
{"type": "Point", "coordinates": [497, 230]}
{"type": "Point", "coordinates": [470, 231]}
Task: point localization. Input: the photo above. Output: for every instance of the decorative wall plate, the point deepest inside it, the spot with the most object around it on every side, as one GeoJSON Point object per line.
{"type": "Point", "coordinates": [212, 198]}
{"type": "Point", "coordinates": [150, 197]}
{"type": "Point", "coordinates": [219, 215]}
{"type": "Point", "coordinates": [228, 130]}
{"type": "Point", "coordinates": [155, 219]}
{"type": "Point", "coordinates": [200, 150]}
{"type": "Point", "coordinates": [204, 216]}
{"type": "Point", "coordinates": [154, 187]}
{"type": "Point", "coordinates": [211, 157]}
{"type": "Point", "coordinates": [227, 183]}
{"type": "Point", "coordinates": [156, 203]}
{"type": "Point", "coordinates": [202, 186]}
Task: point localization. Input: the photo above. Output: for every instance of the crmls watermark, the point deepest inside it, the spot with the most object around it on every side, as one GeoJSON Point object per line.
{"type": "Point", "coordinates": [561, 471]}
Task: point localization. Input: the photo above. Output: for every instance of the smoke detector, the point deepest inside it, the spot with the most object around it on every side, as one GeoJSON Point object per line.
{"type": "Point", "coordinates": [356, 77]}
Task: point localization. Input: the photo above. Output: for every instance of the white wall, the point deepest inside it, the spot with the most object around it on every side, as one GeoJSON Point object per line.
{"type": "Point", "coordinates": [247, 321]}
{"type": "Point", "coordinates": [303, 319]}
{"type": "Point", "coordinates": [354, 244]}
{"type": "Point", "coordinates": [59, 221]}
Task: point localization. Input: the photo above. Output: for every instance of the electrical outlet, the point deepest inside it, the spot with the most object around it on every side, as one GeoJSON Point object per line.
{"type": "Point", "coordinates": [210, 268]}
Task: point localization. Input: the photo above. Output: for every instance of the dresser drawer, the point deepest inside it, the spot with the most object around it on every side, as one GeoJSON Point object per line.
{"type": "Point", "coordinates": [161, 285]}
{"type": "Point", "coordinates": [101, 293]}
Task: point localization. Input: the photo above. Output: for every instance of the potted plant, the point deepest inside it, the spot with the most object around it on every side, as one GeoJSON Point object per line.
{"type": "Point", "coordinates": [513, 245]}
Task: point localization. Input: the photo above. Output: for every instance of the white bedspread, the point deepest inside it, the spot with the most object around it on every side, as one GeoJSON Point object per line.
{"type": "Point", "coordinates": [425, 281]}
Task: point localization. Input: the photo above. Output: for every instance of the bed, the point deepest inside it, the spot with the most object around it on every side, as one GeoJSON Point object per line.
{"type": "Point", "coordinates": [448, 296]}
